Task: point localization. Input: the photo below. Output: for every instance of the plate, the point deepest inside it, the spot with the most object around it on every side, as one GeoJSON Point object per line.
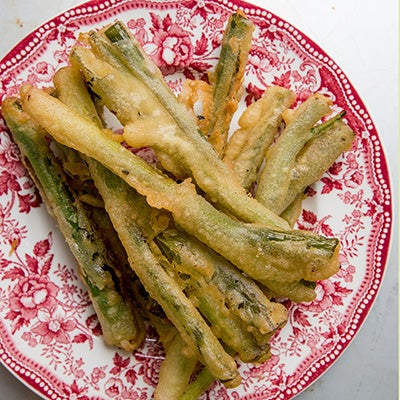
{"type": "Point", "coordinates": [49, 335]}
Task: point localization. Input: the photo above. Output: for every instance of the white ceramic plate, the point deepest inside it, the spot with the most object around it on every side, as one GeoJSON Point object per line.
{"type": "Point", "coordinates": [49, 335]}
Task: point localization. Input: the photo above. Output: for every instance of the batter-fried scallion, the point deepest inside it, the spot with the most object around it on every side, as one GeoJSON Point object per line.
{"type": "Point", "coordinates": [243, 320]}
{"type": "Point", "coordinates": [227, 79]}
{"type": "Point", "coordinates": [241, 295]}
{"type": "Point", "coordinates": [318, 155]}
{"type": "Point", "coordinates": [258, 126]}
{"type": "Point", "coordinates": [281, 156]}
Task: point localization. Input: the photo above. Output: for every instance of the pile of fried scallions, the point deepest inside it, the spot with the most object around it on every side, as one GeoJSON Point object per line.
{"type": "Point", "coordinates": [200, 244]}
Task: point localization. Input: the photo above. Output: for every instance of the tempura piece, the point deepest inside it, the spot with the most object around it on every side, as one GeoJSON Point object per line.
{"type": "Point", "coordinates": [280, 158]}
{"type": "Point", "coordinates": [228, 77]}
{"type": "Point", "coordinates": [258, 126]}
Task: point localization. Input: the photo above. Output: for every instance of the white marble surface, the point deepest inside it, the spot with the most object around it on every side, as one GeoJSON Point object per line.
{"type": "Point", "coordinates": [362, 37]}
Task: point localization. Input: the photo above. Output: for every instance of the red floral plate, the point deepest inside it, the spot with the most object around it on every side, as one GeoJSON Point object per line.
{"type": "Point", "coordinates": [49, 335]}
